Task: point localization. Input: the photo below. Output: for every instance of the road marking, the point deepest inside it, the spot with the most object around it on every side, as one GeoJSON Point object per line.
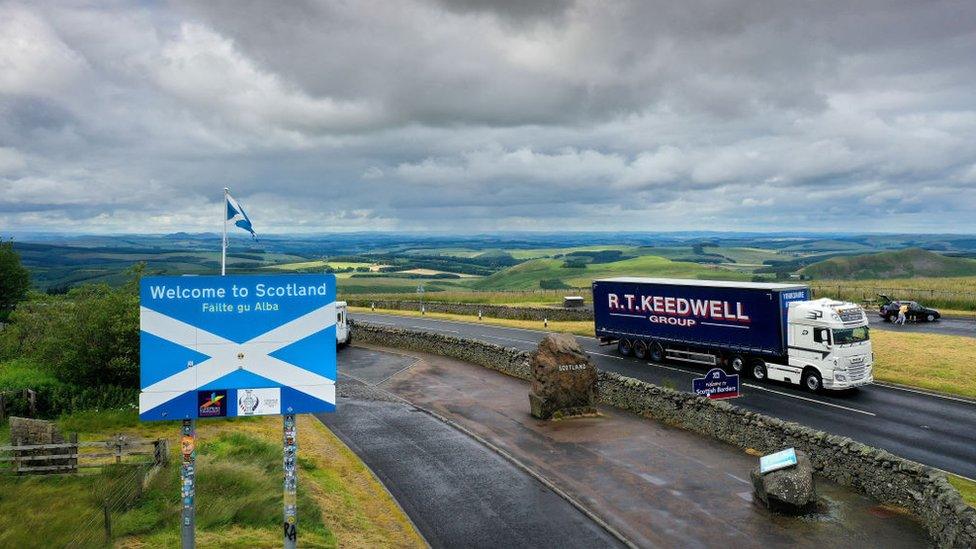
{"type": "Point", "coordinates": [964, 477]}
{"type": "Point", "coordinates": [815, 401]}
{"type": "Point", "coordinates": [606, 355]}
{"type": "Point", "coordinates": [675, 369]}
{"type": "Point", "coordinates": [744, 481]}
{"type": "Point", "coordinates": [438, 329]}
{"type": "Point", "coordinates": [511, 339]}
{"type": "Point", "coordinates": [926, 393]}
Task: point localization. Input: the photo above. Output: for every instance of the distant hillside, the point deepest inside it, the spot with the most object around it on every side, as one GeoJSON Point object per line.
{"type": "Point", "coordinates": [908, 263]}
{"type": "Point", "coordinates": [570, 271]}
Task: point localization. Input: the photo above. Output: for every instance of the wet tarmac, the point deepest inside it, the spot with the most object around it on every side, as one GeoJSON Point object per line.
{"type": "Point", "coordinates": [658, 486]}
{"type": "Point", "coordinates": [457, 491]}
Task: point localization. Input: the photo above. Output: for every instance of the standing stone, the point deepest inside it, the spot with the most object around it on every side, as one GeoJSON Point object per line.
{"type": "Point", "coordinates": [563, 379]}
{"type": "Point", "coordinates": [789, 491]}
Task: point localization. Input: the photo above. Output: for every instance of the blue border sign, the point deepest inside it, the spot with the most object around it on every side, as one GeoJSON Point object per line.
{"type": "Point", "coordinates": [779, 460]}
{"type": "Point", "coordinates": [228, 346]}
{"type": "Point", "coordinates": [716, 385]}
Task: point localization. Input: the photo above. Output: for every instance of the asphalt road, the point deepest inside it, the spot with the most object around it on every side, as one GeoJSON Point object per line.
{"type": "Point", "coordinates": [458, 492]}
{"type": "Point", "coordinates": [945, 326]}
{"type": "Point", "coordinates": [935, 430]}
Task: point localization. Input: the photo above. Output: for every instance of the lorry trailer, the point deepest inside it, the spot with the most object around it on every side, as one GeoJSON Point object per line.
{"type": "Point", "coordinates": [763, 330]}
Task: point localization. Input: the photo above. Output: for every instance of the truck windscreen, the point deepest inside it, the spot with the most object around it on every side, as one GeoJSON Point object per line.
{"type": "Point", "coordinates": [851, 335]}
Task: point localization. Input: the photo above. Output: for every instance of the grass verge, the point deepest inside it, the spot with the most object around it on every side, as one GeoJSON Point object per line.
{"type": "Point", "coordinates": [967, 489]}
{"type": "Point", "coordinates": [934, 362]}
{"type": "Point", "coordinates": [239, 492]}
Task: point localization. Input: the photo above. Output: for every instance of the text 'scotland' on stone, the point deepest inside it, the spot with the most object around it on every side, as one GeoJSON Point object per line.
{"type": "Point", "coordinates": [563, 379]}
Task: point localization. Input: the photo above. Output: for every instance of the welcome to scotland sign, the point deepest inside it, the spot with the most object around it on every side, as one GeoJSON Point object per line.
{"type": "Point", "coordinates": [226, 346]}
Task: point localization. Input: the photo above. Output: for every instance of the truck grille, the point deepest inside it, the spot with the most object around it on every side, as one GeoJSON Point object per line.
{"type": "Point", "coordinates": [851, 315]}
{"type": "Point", "coordinates": [857, 368]}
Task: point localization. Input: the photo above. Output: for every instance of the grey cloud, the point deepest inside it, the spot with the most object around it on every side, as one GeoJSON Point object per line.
{"type": "Point", "coordinates": [471, 115]}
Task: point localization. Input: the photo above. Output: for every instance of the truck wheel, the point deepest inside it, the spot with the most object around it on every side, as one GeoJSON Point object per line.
{"type": "Point", "coordinates": [737, 364]}
{"type": "Point", "coordinates": [812, 381]}
{"type": "Point", "coordinates": [657, 352]}
{"type": "Point", "coordinates": [889, 318]}
{"type": "Point", "coordinates": [759, 370]}
{"type": "Point", "coordinates": [640, 350]}
{"type": "Point", "coordinates": [930, 318]}
{"type": "Point", "coordinates": [625, 347]}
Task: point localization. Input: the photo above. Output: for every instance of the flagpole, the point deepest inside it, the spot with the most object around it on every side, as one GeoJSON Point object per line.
{"type": "Point", "coordinates": [223, 250]}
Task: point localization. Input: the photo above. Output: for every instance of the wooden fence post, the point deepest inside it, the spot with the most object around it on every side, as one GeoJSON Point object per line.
{"type": "Point", "coordinates": [108, 521]}
{"type": "Point", "coordinates": [161, 451]}
{"type": "Point", "coordinates": [73, 450]}
{"type": "Point", "coordinates": [3, 406]}
{"type": "Point", "coordinates": [31, 397]}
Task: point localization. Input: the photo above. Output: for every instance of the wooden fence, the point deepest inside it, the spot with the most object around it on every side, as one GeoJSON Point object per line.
{"type": "Point", "coordinates": [69, 457]}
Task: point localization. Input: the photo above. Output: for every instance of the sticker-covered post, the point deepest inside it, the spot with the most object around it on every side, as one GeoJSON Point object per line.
{"type": "Point", "coordinates": [215, 347]}
{"type": "Point", "coordinates": [291, 481]}
{"type": "Point", "coordinates": [188, 458]}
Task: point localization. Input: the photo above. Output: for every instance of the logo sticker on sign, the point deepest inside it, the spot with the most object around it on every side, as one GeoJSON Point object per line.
{"type": "Point", "coordinates": [212, 404]}
{"type": "Point", "coordinates": [258, 402]}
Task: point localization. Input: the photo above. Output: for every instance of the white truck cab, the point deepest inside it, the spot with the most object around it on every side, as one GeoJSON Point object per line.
{"type": "Point", "coordinates": [343, 329]}
{"type": "Point", "coordinates": [829, 346]}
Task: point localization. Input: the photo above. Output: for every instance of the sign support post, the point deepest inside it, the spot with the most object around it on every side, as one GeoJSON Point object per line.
{"type": "Point", "coordinates": [237, 346]}
{"type": "Point", "coordinates": [188, 453]}
{"type": "Point", "coordinates": [291, 481]}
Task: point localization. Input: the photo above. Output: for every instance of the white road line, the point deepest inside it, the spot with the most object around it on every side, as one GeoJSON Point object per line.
{"type": "Point", "coordinates": [511, 339]}
{"type": "Point", "coordinates": [438, 329]}
{"type": "Point", "coordinates": [815, 401]}
{"type": "Point", "coordinates": [606, 355]}
{"type": "Point", "coordinates": [954, 474]}
{"type": "Point", "coordinates": [676, 369]}
{"type": "Point", "coordinates": [926, 393]}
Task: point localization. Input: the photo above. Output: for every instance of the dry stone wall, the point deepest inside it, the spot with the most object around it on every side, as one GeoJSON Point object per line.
{"type": "Point", "coordinates": [885, 477]}
{"type": "Point", "coordinates": [492, 311]}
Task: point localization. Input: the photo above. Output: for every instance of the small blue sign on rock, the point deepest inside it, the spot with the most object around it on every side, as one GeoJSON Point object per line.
{"type": "Point", "coordinates": [717, 384]}
{"type": "Point", "coordinates": [779, 460]}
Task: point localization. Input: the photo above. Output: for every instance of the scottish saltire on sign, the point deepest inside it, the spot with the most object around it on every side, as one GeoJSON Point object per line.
{"type": "Point", "coordinates": [227, 346]}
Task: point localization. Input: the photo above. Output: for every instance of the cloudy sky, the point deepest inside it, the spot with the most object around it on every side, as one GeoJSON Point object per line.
{"type": "Point", "coordinates": [475, 116]}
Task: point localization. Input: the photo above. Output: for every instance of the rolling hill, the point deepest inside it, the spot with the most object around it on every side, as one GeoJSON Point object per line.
{"type": "Point", "coordinates": [527, 275]}
{"type": "Point", "coordinates": [911, 262]}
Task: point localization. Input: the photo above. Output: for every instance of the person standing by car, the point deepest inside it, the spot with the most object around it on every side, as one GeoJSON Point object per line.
{"type": "Point", "coordinates": [902, 314]}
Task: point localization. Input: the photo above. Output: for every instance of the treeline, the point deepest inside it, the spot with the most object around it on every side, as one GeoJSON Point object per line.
{"type": "Point", "coordinates": [78, 350]}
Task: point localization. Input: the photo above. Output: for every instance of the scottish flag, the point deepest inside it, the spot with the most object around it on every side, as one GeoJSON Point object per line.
{"type": "Point", "coordinates": [226, 346]}
{"type": "Point", "coordinates": [235, 214]}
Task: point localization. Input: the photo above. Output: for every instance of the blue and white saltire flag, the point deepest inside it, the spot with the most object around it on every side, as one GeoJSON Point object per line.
{"type": "Point", "coordinates": [226, 346]}
{"type": "Point", "coordinates": [235, 214]}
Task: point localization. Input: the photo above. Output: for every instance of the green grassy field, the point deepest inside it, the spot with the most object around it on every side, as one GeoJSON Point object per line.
{"type": "Point", "coordinates": [910, 263]}
{"type": "Point", "coordinates": [527, 275]}
{"type": "Point", "coordinates": [318, 264]}
{"type": "Point", "coordinates": [955, 293]}
{"type": "Point", "coordinates": [238, 492]}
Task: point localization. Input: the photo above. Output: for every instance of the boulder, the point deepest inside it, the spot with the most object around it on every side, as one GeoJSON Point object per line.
{"type": "Point", "coordinates": [789, 491]}
{"type": "Point", "coordinates": [563, 379]}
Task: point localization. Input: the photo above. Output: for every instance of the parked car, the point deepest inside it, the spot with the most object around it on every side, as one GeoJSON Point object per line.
{"type": "Point", "coordinates": [916, 312]}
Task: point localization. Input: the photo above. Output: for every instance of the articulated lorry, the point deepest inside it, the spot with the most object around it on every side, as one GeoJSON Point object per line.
{"type": "Point", "coordinates": [764, 330]}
